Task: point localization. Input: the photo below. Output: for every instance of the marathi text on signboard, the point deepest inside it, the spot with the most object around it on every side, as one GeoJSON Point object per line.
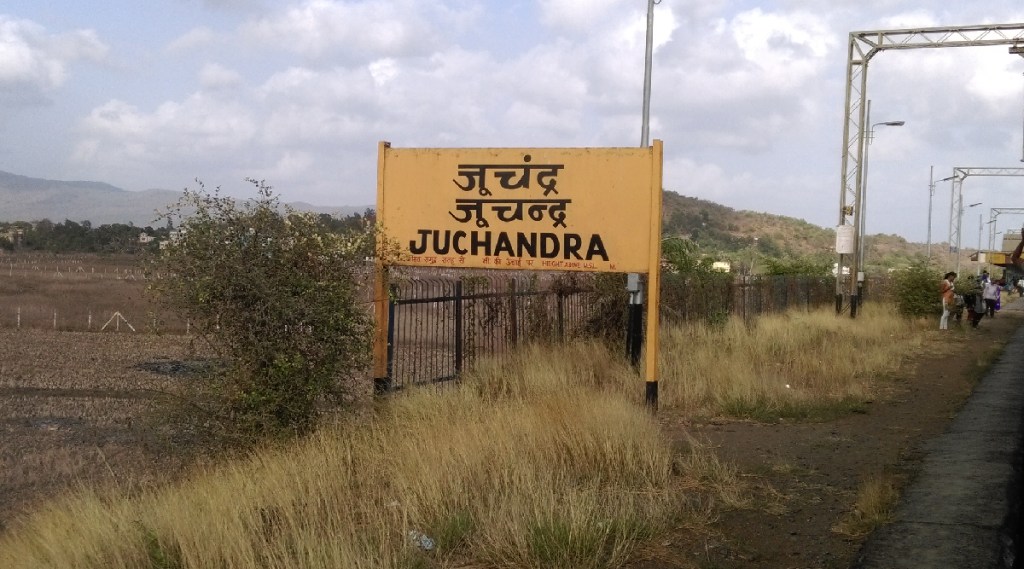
{"type": "Point", "coordinates": [583, 209]}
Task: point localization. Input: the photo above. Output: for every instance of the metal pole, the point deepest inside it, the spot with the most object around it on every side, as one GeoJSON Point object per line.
{"type": "Point", "coordinates": [635, 307]}
{"type": "Point", "coordinates": [649, 56]}
{"type": "Point", "coordinates": [864, 190]}
{"type": "Point", "coordinates": [979, 244]}
{"type": "Point", "coordinates": [960, 223]}
{"type": "Point", "coordinates": [931, 194]}
{"type": "Point", "coordinates": [992, 230]}
{"type": "Point", "coordinates": [858, 272]}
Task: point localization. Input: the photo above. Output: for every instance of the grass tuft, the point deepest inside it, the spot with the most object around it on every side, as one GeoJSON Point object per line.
{"type": "Point", "coordinates": [877, 497]}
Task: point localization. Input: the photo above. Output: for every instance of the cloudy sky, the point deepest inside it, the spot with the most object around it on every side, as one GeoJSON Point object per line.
{"type": "Point", "coordinates": [748, 95]}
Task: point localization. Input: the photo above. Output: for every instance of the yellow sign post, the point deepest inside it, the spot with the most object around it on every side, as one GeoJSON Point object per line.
{"type": "Point", "coordinates": [548, 209]}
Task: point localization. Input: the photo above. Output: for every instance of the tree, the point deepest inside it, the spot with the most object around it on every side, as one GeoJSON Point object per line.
{"type": "Point", "coordinates": [277, 296]}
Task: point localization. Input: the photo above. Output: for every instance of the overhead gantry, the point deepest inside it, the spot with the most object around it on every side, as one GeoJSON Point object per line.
{"type": "Point", "coordinates": [862, 47]}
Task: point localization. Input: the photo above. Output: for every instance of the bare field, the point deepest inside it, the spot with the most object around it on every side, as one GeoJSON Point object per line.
{"type": "Point", "coordinates": [77, 407]}
{"type": "Point", "coordinates": [78, 292]}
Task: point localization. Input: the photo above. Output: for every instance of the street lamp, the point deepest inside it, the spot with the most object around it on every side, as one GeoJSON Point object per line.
{"type": "Point", "coordinates": [864, 186]}
{"type": "Point", "coordinates": [980, 224]}
{"type": "Point", "coordinates": [862, 203]}
{"type": "Point", "coordinates": [931, 195]}
{"type": "Point", "coordinates": [991, 233]}
{"type": "Point", "coordinates": [969, 206]}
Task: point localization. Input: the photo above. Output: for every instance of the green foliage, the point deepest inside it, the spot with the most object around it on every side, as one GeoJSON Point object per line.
{"type": "Point", "coordinates": [276, 294]}
{"type": "Point", "coordinates": [809, 266]}
{"type": "Point", "coordinates": [160, 556]}
{"type": "Point", "coordinates": [916, 290]}
{"type": "Point", "coordinates": [682, 256]}
{"type": "Point", "coordinates": [454, 530]}
{"type": "Point", "coordinates": [690, 286]}
{"type": "Point", "coordinates": [69, 236]}
{"type": "Point", "coordinates": [967, 284]}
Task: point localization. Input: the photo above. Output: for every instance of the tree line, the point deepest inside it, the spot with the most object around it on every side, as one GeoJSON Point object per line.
{"type": "Point", "coordinates": [124, 238]}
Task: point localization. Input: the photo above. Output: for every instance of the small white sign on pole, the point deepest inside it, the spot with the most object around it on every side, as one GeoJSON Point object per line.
{"type": "Point", "coordinates": [845, 240]}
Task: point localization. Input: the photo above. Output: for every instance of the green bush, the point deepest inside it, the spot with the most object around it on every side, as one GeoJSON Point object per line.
{"type": "Point", "coordinates": [690, 288]}
{"type": "Point", "coordinates": [806, 265]}
{"type": "Point", "coordinates": [277, 296]}
{"type": "Point", "coordinates": [916, 290]}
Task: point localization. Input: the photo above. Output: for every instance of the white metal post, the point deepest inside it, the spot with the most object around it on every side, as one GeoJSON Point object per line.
{"type": "Point", "coordinates": [931, 194]}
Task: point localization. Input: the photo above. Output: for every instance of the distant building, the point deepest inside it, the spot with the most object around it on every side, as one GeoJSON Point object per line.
{"type": "Point", "coordinates": [835, 269]}
{"type": "Point", "coordinates": [14, 236]}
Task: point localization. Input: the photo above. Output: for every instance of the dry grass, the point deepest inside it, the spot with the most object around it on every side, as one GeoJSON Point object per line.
{"type": "Point", "coordinates": [877, 497]}
{"type": "Point", "coordinates": [801, 365]}
{"type": "Point", "coordinates": [545, 472]}
{"type": "Point", "coordinates": [545, 459]}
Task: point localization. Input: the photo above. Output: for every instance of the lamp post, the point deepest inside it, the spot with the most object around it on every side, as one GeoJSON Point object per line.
{"type": "Point", "coordinates": [991, 230]}
{"type": "Point", "coordinates": [931, 196]}
{"type": "Point", "coordinates": [979, 243]}
{"type": "Point", "coordinates": [969, 206]}
{"type": "Point", "coordinates": [863, 209]}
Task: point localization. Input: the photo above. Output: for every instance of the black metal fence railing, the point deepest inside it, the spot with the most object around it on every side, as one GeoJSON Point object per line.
{"type": "Point", "coordinates": [753, 296]}
{"type": "Point", "coordinates": [438, 326]}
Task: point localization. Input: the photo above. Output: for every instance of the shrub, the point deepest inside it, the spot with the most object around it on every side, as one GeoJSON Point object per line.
{"type": "Point", "coordinates": [917, 290]}
{"type": "Point", "coordinates": [276, 295]}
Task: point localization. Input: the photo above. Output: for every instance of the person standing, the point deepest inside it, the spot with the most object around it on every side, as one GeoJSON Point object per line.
{"type": "Point", "coordinates": [990, 293]}
{"type": "Point", "coordinates": [946, 292]}
{"type": "Point", "coordinates": [970, 290]}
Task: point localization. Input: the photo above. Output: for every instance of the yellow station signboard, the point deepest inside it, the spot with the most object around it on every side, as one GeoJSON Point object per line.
{"type": "Point", "coordinates": [570, 209]}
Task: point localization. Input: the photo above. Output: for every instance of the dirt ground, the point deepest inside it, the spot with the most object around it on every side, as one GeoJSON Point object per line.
{"type": "Point", "coordinates": [59, 429]}
{"type": "Point", "coordinates": [807, 474]}
{"type": "Point", "coordinates": [77, 408]}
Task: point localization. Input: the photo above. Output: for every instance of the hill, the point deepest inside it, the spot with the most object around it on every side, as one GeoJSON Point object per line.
{"type": "Point", "coordinates": [30, 199]}
{"type": "Point", "coordinates": [719, 231]}
{"type": "Point", "coordinates": [743, 236]}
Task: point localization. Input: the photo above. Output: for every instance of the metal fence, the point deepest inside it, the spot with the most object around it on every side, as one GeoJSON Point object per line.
{"type": "Point", "coordinates": [753, 296]}
{"type": "Point", "coordinates": [438, 326]}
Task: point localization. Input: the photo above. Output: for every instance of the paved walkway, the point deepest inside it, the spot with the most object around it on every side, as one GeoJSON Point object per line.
{"type": "Point", "coordinates": [962, 510]}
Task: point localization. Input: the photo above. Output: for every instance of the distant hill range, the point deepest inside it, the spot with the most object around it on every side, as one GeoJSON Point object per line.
{"type": "Point", "coordinates": [32, 199]}
{"type": "Point", "coordinates": [718, 230]}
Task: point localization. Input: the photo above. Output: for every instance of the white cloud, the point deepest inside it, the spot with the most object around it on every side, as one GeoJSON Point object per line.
{"type": "Point", "coordinates": [118, 132]}
{"type": "Point", "coordinates": [383, 70]}
{"type": "Point", "coordinates": [787, 49]}
{"type": "Point", "coordinates": [193, 39]}
{"type": "Point", "coordinates": [747, 95]}
{"type": "Point", "coordinates": [584, 16]}
{"type": "Point", "coordinates": [214, 76]}
{"type": "Point", "coordinates": [33, 63]}
{"type": "Point", "coordinates": [326, 28]}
